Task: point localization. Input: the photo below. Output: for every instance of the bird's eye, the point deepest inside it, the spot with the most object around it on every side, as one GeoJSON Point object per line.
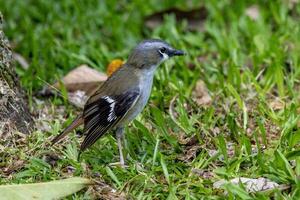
{"type": "Point", "coordinates": [162, 50]}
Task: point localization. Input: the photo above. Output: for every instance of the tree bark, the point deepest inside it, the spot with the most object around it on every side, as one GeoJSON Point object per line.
{"type": "Point", "coordinates": [14, 112]}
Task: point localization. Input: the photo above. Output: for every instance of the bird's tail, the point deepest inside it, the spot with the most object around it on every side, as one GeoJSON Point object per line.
{"type": "Point", "coordinates": [77, 122]}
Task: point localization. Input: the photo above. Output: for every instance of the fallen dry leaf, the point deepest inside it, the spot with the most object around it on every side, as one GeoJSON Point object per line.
{"type": "Point", "coordinates": [113, 66]}
{"type": "Point", "coordinates": [205, 174]}
{"type": "Point", "coordinates": [200, 94]}
{"type": "Point", "coordinates": [190, 153]}
{"type": "Point", "coordinates": [253, 12]}
{"type": "Point", "coordinates": [292, 3]}
{"type": "Point", "coordinates": [212, 152]}
{"type": "Point", "coordinates": [82, 78]}
{"type": "Point", "coordinates": [81, 82]}
{"type": "Point", "coordinates": [183, 139]}
{"type": "Point", "coordinates": [101, 190]}
{"type": "Point", "coordinates": [277, 104]}
{"type": "Point", "coordinates": [195, 18]}
{"type": "Point", "coordinates": [78, 98]}
{"type": "Point", "coordinates": [251, 184]}
{"type": "Point", "coordinates": [14, 166]}
{"type": "Point", "coordinates": [190, 147]}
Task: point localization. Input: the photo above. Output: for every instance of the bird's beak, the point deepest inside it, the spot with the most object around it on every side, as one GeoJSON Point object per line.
{"type": "Point", "coordinates": [175, 52]}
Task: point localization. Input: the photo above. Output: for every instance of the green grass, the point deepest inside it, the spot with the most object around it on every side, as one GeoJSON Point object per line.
{"type": "Point", "coordinates": [247, 65]}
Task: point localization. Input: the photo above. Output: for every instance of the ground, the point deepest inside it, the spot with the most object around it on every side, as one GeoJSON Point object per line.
{"type": "Point", "coordinates": [245, 52]}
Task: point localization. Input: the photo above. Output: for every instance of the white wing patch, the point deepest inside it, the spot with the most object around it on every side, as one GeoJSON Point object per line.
{"type": "Point", "coordinates": [112, 104]}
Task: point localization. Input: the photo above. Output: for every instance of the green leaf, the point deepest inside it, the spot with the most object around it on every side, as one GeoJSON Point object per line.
{"type": "Point", "coordinates": [259, 42]}
{"type": "Point", "coordinates": [164, 168]}
{"type": "Point", "coordinates": [287, 164]}
{"type": "Point", "coordinates": [222, 147]}
{"type": "Point", "coordinates": [155, 150]}
{"type": "Point", "coordinates": [238, 191]}
{"type": "Point", "coordinates": [48, 190]}
{"type": "Point", "coordinates": [112, 175]}
{"type": "Point", "coordinates": [240, 103]}
{"type": "Point", "coordinates": [293, 155]}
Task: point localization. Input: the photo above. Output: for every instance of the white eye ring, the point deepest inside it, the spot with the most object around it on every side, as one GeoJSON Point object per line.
{"type": "Point", "coordinates": [165, 56]}
{"type": "Point", "coordinates": [162, 52]}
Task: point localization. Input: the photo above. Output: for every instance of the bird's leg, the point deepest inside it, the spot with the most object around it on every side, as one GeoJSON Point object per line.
{"type": "Point", "coordinates": [119, 136]}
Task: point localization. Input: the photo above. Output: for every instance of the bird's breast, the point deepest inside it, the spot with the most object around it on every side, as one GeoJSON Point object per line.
{"type": "Point", "coordinates": [145, 89]}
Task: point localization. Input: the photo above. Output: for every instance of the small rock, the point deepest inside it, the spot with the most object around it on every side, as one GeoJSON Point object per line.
{"type": "Point", "coordinates": [251, 184]}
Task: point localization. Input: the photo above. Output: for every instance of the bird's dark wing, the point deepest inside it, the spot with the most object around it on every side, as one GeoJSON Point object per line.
{"type": "Point", "coordinates": [101, 114]}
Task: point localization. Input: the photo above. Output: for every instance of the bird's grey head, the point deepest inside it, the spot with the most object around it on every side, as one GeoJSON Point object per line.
{"type": "Point", "coordinates": [151, 53]}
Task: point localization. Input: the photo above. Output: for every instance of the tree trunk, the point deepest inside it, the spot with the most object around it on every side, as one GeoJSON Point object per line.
{"type": "Point", "coordinates": [14, 113]}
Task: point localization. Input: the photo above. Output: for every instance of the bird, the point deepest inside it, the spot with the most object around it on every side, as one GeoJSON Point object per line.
{"type": "Point", "coordinates": [122, 96]}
